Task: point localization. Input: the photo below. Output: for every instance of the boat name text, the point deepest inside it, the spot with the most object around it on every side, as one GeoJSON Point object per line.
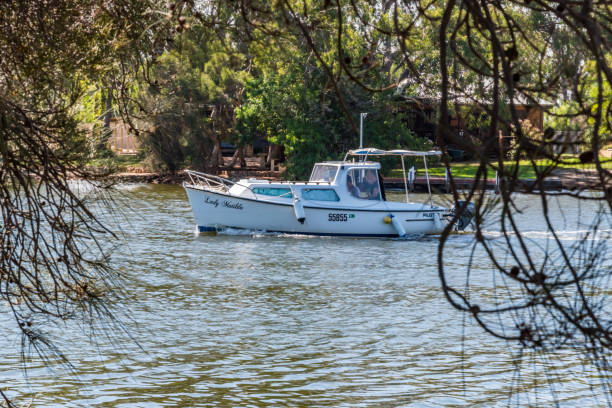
{"type": "Point", "coordinates": [228, 204]}
{"type": "Point", "coordinates": [233, 204]}
{"type": "Point", "coordinates": [207, 200]}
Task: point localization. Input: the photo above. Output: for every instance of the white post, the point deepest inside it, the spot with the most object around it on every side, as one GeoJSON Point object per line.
{"type": "Point", "coordinates": [361, 117]}
{"type": "Point", "coordinates": [411, 173]}
{"type": "Point", "coordinates": [496, 182]}
{"type": "Point", "coordinates": [427, 177]}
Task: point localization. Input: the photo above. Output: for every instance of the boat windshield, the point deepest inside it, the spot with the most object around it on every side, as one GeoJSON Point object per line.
{"type": "Point", "coordinates": [324, 172]}
{"type": "Point", "coordinates": [363, 183]}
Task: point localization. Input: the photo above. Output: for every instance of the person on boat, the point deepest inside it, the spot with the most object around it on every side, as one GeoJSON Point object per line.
{"type": "Point", "coordinates": [369, 186]}
{"type": "Point", "coordinates": [352, 188]}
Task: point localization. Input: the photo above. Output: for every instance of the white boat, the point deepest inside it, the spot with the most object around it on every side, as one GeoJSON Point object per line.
{"type": "Point", "coordinates": [342, 198]}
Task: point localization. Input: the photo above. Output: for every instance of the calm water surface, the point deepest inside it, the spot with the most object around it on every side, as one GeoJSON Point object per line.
{"type": "Point", "coordinates": [258, 320]}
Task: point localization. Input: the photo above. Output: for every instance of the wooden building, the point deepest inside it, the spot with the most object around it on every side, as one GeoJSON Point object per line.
{"type": "Point", "coordinates": [122, 141]}
{"type": "Point", "coordinates": [466, 119]}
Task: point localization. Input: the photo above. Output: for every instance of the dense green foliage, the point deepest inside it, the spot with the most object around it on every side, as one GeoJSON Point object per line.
{"type": "Point", "coordinates": [298, 74]}
{"type": "Point", "coordinates": [188, 100]}
{"type": "Point", "coordinates": [224, 83]}
{"type": "Point", "coordinates": [292, 114]}
{"type": "Point", "coordinates": [54, 267]}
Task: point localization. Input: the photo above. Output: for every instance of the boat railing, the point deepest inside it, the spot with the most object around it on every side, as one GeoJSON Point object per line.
{"type": "Point", "coordinates": [214, 183]}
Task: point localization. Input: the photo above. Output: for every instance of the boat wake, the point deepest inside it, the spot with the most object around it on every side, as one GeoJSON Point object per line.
{"type": "Point", "coordinates": [412, 237]}
{"type": "Point", "coordinates": [570, 235]}
{"type": "Point", "coordinates": [259, 233]}
{"type": "Point", "coordinates": [238, 232]}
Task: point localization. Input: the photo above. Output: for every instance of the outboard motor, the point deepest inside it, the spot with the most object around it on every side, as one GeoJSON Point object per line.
{"type": "Point", "coordinates": [466, 217]}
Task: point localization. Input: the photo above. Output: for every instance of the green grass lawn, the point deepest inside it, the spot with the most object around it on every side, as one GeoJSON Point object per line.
{"type": "Point", "coordinates": [118, 162]}
{"type": "Point", "coordinates": [525, 171]}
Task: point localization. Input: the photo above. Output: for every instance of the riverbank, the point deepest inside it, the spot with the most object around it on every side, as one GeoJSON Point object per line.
{"type": "Point", "coordinates": [578, 177]}
{"type": "Point", "coordinates": [181, 176]}
{"type": "Point", "coordinates": [561, 179]}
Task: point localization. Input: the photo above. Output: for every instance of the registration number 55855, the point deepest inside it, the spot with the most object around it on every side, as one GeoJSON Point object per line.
{"type": "Point", "coordinates": [335, 217]}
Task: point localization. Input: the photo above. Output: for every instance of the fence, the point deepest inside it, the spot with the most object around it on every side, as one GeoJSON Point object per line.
{"type": "Point", "coordinates": [121, 140]}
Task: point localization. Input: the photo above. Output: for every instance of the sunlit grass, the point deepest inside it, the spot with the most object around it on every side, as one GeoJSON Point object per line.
{"type": "Point", "coordinates": [525, 170]}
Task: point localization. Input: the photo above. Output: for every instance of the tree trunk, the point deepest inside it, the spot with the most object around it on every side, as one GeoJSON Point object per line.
{"type": "Point", "coordinates": [109, 107]}
{"type": "Point", "coordinates": [216, 158]}
{"type": "Point", "coordinates": [101, 147]}
{"type": "Point", "coordinates": [274, 153]}
{"type": "Point", "coordinates": [238, 156]}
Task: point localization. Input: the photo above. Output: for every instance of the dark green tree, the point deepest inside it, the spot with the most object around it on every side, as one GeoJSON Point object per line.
{"type": "Point", "coordinates": [53, 247]}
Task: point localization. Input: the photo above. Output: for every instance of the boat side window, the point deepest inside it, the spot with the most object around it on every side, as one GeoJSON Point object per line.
{"type": "Point", "coordinates": [363, 183]}
{"type": "Point", "coordinates": [323, 172]}
{"type": "Point", "coordinates": [320, 194]}
{"type": "Point", "coordinates": [272, 191]}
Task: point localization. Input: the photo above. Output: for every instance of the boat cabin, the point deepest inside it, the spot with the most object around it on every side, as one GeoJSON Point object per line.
{"type": "Point", "coordinates": [361, 179]}
{"type": "Point", "coordinates": [356, 182]}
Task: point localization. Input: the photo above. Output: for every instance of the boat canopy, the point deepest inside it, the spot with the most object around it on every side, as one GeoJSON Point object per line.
{"type": "Point", "coordinates": [371, 151]}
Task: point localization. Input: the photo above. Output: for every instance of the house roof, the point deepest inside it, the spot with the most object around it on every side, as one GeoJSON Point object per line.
{"type": "Point", "coordinates": [476, 94]}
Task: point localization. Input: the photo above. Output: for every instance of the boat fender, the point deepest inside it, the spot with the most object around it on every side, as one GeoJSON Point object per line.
{"type": "Point", "coordinates": [397, 224]}
{"type": "Point", "coordinates": [387, 219]}
{"type": "Point", "coordinates": [437, 222]}
{"type": "Point", "coordinates": [298, 209]}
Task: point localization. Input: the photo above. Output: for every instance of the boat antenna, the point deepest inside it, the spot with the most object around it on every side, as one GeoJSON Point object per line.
{"type": "Point", "coordinates": [361, 117]}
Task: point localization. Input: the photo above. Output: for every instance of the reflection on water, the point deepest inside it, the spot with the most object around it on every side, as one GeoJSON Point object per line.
{"type": "Point", "coordinates": [260, 320]}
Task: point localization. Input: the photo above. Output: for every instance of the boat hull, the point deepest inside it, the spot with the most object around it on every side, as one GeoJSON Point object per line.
{"type": "Point", "coordinates": [213, 211]}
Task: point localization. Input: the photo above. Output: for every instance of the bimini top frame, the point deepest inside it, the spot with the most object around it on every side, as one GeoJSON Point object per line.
{"type": "Point", "coordinates": [371, 151]}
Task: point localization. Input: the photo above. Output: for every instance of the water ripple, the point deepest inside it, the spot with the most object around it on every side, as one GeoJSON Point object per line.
{"type": "Point", "coordinates": [256, 320]}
